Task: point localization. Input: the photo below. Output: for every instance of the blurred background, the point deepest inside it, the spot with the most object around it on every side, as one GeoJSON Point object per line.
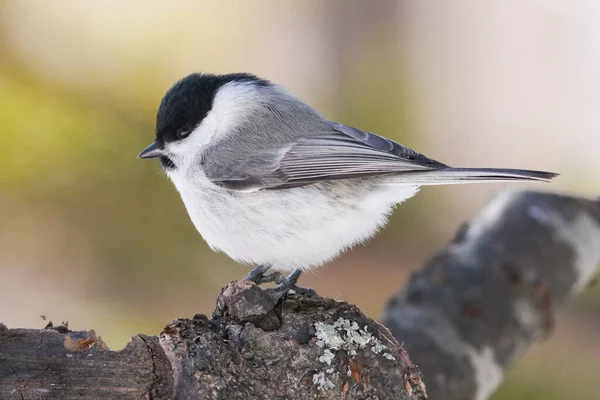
{"type": "Point", "coordinates": [92, 235]}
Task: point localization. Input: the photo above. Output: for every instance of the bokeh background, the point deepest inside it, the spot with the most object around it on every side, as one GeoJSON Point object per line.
{"type": "Point", "coordinates": [92, 235]}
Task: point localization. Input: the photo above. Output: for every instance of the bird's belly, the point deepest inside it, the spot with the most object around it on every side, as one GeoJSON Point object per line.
{"type": "Point", "coordinates": [293, 228]}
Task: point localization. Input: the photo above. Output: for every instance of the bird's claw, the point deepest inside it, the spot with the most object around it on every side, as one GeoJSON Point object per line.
{"type": "Point", "coordinates": [284, 284]}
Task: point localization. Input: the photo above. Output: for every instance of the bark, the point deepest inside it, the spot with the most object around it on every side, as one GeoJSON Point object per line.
{"type": "Point", "coordinates": [463, 318]}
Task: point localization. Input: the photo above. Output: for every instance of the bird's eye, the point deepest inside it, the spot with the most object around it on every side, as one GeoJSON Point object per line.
{"type": "Point", "coordinates": [183, 133]}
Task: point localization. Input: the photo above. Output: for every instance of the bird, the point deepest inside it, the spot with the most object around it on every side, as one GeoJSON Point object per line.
{"type": "Point", "coordinates": [271, 182]}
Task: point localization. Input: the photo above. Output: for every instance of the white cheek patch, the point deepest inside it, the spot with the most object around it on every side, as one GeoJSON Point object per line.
{"type": "Point", "coordinates": [203, 133]}
{"type": "Point", "coordinates": [233, 102]}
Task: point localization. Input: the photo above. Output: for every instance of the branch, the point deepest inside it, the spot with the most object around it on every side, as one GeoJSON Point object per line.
{"type": "Point", "coordinates": [484, 299]}
{"type": "Point", "coordinates": [464, 317]}
{"type": "Point", "coordinates": [305, 347]}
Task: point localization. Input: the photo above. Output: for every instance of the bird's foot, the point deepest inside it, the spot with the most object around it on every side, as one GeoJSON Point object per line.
{"type": "Point", "coordinates": [291, 284]}
{"type": "Point", "coordinates": [284, 284]}
{"type": "Point", "coordinates": [259, 276]}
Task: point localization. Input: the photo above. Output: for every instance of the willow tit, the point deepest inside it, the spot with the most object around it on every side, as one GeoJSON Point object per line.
{"type": "Point", "coordinates": [269, 181]}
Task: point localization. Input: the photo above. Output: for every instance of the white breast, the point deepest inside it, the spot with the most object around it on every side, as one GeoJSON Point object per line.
{"type": "Point", "coordinates": [293, 228]}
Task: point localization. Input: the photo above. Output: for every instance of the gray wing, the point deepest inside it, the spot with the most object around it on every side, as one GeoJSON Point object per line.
{"type": "Point", "coordinates": [341, 152]}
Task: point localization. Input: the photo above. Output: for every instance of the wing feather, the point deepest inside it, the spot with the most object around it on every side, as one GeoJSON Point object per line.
{"type": "Point", "coordinates": [341, 152]}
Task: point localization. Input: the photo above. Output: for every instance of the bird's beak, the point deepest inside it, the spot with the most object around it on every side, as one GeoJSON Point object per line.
{"type": "Point", "coordinates": [151, 151]}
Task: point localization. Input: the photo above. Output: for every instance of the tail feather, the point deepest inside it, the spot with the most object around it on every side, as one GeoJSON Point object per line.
{"type": "Point", "coordinates": [448, 176]}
